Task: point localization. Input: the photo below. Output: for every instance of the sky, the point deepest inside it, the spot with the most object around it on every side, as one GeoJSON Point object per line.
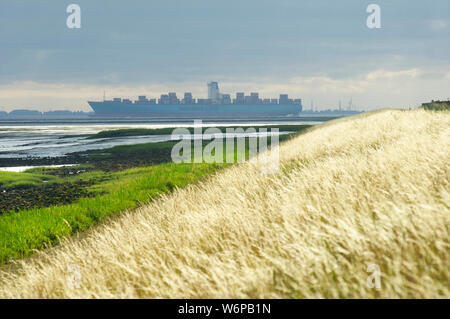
{"type": "Point", "coordinates": [320, 51]}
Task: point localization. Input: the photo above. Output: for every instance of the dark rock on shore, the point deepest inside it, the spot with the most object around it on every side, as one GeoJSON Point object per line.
{"type": "Point", "coordinates": [43, 196]}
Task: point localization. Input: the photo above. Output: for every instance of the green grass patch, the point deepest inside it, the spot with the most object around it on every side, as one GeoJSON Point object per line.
{"type": "Point", "coordinates": [24, 180]}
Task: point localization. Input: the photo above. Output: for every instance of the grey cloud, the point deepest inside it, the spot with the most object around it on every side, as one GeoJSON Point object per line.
{"type": "Point", "coordinates": [168, 40]}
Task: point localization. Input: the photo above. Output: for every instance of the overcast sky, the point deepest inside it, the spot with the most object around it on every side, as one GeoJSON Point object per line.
{"type": "Point", "coordinates": [317, 50]}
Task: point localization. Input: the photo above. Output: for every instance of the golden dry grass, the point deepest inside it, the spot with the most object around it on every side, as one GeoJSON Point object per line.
{"type": "Point", "coordinates": [370, 189]}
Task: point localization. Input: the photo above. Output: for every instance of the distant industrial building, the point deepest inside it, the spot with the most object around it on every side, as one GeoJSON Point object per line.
{"type": "Point", "coordinates": [213, 92]}
{"type": "Point", "coordinates": [188, 98]}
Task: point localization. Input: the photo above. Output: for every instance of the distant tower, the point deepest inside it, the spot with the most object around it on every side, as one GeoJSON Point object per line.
{"type": "Point", "coordinates": [340, 105]}
{"type": "Point", "coordinates": [213, 92]}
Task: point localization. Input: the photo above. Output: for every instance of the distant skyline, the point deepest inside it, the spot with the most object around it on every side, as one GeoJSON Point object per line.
{"type": "Point", "coordinates": [315, 50]}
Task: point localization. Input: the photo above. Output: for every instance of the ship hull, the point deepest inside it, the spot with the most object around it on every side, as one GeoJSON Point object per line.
{"type": "Point", "coordinates": [118, 109]}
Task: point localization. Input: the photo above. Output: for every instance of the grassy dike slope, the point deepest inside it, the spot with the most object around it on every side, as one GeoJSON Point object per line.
{"type": "Point", "coordinates": [370, 189]}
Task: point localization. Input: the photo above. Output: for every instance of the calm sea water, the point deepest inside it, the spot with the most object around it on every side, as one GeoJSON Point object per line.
{"type": "Point", "coordinates": [55, 138]}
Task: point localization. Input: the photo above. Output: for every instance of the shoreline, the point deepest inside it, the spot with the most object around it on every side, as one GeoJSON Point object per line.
{"type": "Point", "coordinates": [95, 155]}
{"type": "Point", "coordinates": [21, 169]}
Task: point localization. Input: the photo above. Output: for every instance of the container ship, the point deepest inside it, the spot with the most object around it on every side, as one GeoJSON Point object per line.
{"type": "Point", "coordinates": [217, 105]}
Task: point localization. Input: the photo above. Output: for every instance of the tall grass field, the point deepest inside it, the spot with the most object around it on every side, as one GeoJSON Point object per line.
{"type": "Point", "coordinates": [350, 195]}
